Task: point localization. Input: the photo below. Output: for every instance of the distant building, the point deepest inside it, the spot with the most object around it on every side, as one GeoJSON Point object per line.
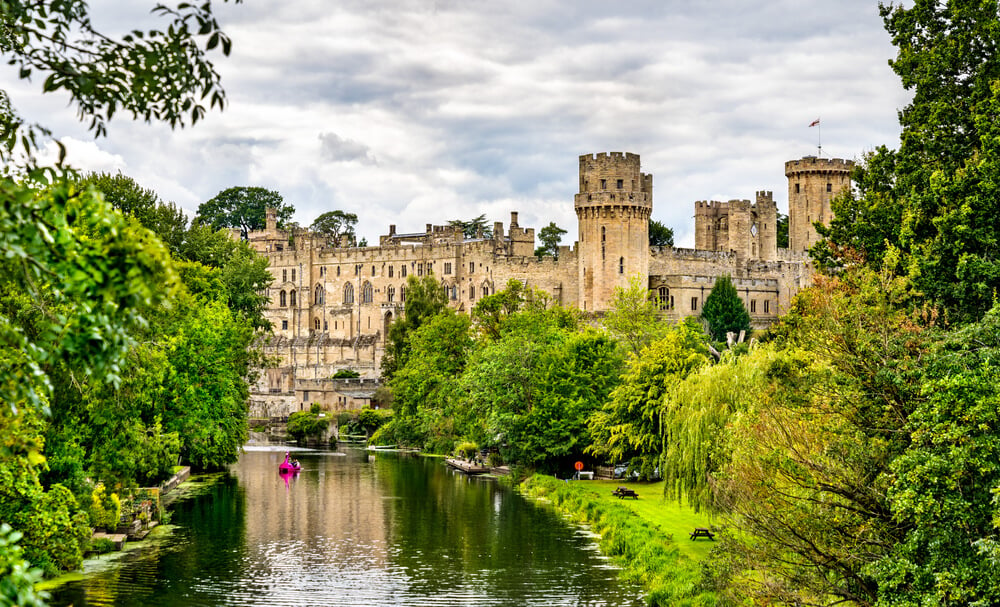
{"type": "Point", "coordinates": [331, 306]}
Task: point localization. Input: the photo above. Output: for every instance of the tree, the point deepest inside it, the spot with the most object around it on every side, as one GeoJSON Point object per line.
{"type": "Point", "coordinates": [549, 236]}
{"type": "Point", "coordinates": [935, 199]}
{"type": "Point", "coordinates": [634, 319]}
{"type": "Point", "coordinates": [627, 427]}
{"type": "Point", "coordinates": [660, 235]}
{"type": "Point", "coordinates": [425, 297]}
{"type": "Point", "coordinates": [473, 228]}
{"type": "Point", "coordinates": [781, 227]}
{"type": "Point", "coordinates": [158, 75]}
{"type": "Point", "coordinates": [334, 225]}
{"type": "Point", "coordinates": [244, 208]}
{"type": "Point", "coordinates": [165, 220]}
{"type": "Point", "coordinates": [723, 311]}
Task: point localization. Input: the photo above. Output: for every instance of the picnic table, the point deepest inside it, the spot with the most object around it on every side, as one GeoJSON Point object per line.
{"type": "Point", "coordinates": [702, 532]}
{"type": "Point", "coordinates": [623, 492]}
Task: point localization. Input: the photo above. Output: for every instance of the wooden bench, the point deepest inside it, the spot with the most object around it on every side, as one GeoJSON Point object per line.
{"type": "Point", "coordinates": [702, 532]}
{"type": "Point", "coordinates": [623, 492]}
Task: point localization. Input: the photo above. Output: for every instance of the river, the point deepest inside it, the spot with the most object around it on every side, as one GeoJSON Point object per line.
{"type": "Point", "coordinates": [356, 528]}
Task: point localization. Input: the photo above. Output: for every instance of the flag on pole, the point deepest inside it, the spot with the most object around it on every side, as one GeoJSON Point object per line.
{"type": "Point", "coordinates": [814, 122]}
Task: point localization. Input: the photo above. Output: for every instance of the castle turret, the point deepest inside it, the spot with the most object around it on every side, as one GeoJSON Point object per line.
{"type": "Point", "coordinates": [612, 210]}
{"type": "Point", "coordinates": [812, 184]}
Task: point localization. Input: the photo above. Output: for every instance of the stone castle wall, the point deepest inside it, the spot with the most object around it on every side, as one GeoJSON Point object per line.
{"type": "Point", "coordinates": [331, 306]}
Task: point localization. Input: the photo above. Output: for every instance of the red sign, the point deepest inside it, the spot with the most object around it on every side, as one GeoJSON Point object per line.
{"type": "Point", "coordinates": [578, 466]}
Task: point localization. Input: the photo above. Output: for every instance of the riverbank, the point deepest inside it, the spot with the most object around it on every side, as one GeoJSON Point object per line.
{"type": "Point", "coordinates": [647, 538]}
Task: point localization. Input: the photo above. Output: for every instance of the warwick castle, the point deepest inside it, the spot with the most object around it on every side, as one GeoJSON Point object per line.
{"type": "Point", "coordinates": [331, 307]}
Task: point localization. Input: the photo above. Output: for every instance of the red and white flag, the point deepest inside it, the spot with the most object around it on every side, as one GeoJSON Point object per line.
{"type": "Point", "coordinates": [814, 122]}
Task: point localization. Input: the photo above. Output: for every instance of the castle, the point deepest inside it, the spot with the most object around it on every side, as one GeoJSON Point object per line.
{"type": "Point", "coordinates": [331, 306]}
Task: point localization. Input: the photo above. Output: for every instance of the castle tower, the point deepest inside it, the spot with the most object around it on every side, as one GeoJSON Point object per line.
{"type": "Point", "coordinates": [612, 211]}
{"type": "Point", "coordinates": [812, 183]}
{"type": "Point", "coordinates": [764, 232]}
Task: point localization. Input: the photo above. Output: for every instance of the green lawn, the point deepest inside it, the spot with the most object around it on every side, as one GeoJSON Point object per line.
{"type": "Point", "coordinates": [668, 515]}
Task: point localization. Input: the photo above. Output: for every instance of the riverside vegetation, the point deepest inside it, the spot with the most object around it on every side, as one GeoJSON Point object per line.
{"type": "Point", "coordinates": [850, 456]}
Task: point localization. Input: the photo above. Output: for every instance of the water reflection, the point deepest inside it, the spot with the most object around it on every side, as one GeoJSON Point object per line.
{"type": "Point", "coordinates": [358, 529]}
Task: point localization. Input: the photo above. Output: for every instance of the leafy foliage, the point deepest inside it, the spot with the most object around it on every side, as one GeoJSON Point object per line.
{"type": "Point", "coordinates": [335, 225]}
{"type": "Point", "coordinates": [549, 236]}
{"type": "Point", "coordinates": [477, 227]}
{"type": "Point", "coordinates": [425, 297]}
{"type": "Point", "coordinates": [660, 235]}
{"type": "Point", "coordinates": [303, 425]}
{"type": "Point", "coordinates": [244, 208]}
{"type": "Point", "coordinates": [634, 319]}
{"type": "Point", "coordinates": [724, 311]}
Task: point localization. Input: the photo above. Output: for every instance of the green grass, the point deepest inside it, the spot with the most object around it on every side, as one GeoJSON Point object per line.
{"type": "Point", "coordinates": [648, 538]}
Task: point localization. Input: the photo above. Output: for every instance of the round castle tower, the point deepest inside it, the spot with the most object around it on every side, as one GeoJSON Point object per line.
{"type": "Point", "coordinates": [612, 211]}
{"type": "Point", "coordinates": [812, 184]}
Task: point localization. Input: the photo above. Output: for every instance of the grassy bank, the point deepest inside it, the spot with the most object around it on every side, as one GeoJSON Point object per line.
{"type": "Point", "coordinates": [648, 537]}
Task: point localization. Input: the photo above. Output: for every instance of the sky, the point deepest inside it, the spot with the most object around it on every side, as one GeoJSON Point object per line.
{"type": "Point", "coordinates": [410, 112]}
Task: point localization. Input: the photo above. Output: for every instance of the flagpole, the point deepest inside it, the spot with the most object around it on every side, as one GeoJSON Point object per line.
{"type": "Point", "coordinates": [819, 140]}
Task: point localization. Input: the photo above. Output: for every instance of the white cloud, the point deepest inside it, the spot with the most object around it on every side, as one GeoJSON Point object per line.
{"type": "Point", "coordinates": [433, 110]}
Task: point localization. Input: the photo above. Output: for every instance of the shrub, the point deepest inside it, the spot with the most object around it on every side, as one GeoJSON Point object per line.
{"type": "Point", "coordinates": [105, 508]}
{"type": "Point", "coordinates": [307, 424]}
{"type": "Point", "coordinates": [466, 449]}
{"type": "Point", "coordinates": [346, 374]}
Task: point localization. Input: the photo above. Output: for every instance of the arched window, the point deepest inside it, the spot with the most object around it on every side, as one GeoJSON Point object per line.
{"type": "Point", "coordinates": [390, 271]}
{"type": "Point", "coordinates": [320, 295]}
{"type": "Point", "coordinates": [472, 291]}
{"type": "Point", "coordinates": [283, 298]}
{"type": "Point", "coordinates": [402, 294]}
{"type": "Point", "coordinates": [366, 292]}
{"type": "Point", "coordinates": [390, 293]}
{"type": "Point", "coordinates": [291, 297]}
{"type": "Point", "coordinates": [316, 324]}
{"type": "Point", "coordinates": [664, 296]}
{"type": "Point", "coordinates": [348, 293]}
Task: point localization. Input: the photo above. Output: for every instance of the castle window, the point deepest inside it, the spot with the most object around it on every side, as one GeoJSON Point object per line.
{"type": "Point", "coordinates": [322, 272]}
{"type": "Point", "coordinates": [390, 294]}
{"type": "Point", "coordinates": [402, 294]}
{"type": "Point", "coordinates": [604, 184]}
{"type": "Point", "coordinates": [338, 270]}
{"type": "Point", "coordinates": [366, 292]}
{"type": "Point", "coordinates": [767, 307]}
{"type": "Point", "coordinates": [472, 292]}
{"type": "Point", "coordinates": [602, 242]}
{"type": "Point", "coordinates": [320, 295]}
{"type": "Point", "coordinates": [621, 183]}
{"type": "Point", "coordinates": [447, 268]}
{"type": "Point", "coordinates": [284, 276]}
{"type": "Point", "coordinates": [796, 188]}
{"type": "Point", "coordinates": [326, 325]}
{"type": "Point", "coordinates": [316, 324]}
{"type": "Point", "coordinates": [829, 187]}
{"type": "Point", "coordinates": [348, 293]}
{"type": "Point", "coordinates": [472, 267]}
{"type": "Point", "coordinates": [284, 325]}
{"type": "Point", "coordinates": [373, 270]}
{"type": "Point", "coordinates": [293, 275]}
{"type": "Point", "coordinates": [753, 306]}
{"type": "Point", "coordinates": [420, 269]}
{"type": "Point", "coordinates": [283, 298]}
{"type": "Point", "coordinates": [291, 297]}
{"type": "Point", "coordinates": [390, 271]}
{"type": "Point", "coordinates": [357, 269]}
{"type": "Point", "coordinates": [454, 292]}
{"type": "Point", "coordinates": [621, 265]}
{"type": "Point", "coordinates": [402, 271]}
{"type": "Point", "coordinates": [663, 294]}
{"type": "Point", "coordinates": [694, 304]}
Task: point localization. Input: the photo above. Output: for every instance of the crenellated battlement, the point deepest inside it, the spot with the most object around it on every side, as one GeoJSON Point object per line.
{"type": "Point", "coordinates": [813, 163]}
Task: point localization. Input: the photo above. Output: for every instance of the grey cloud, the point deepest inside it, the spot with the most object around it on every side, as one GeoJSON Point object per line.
{"type": "Point", "coordinates": [337, 149]}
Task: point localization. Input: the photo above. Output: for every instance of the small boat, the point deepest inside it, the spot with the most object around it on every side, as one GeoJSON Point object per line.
{"type": "Point", "coordinates": [289, 466]}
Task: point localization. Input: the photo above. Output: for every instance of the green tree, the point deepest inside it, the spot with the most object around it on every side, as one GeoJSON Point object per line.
{"type": "Point", "coordinates": [634, 319]}
{"type": "Point", "coordinates": [781, 227]}
{"type": "Point", "coordinates": [334, 225]}
{"type": "Point", "coordinates": [425, 297]}
{"type": "Point", "coordinates": [244, 208]}
{"type": "Point", "coordinates": [660, 235]}
{"type": "Point", "coordinates": [165, 220]}
{"type": "Point", "coordinates": [723, 311]}
{"type": "Point", "coordinates": [549, 236]}
{"type": "Point", "coordinates": [474, 228]}
{"type": "Point", "coordinates": [628, 426]}
{"type": "Point", "coordinates": [935, 199]}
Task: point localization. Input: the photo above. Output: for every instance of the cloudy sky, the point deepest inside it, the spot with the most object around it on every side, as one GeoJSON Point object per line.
{"type": "Point", "coordinates": [414, 111]}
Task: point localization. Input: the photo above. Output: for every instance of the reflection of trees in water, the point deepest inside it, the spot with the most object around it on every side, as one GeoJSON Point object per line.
{"type": "Point", "coordinates": [449, 530]}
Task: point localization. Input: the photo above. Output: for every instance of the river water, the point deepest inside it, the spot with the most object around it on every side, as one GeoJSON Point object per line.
{"type": "Point", "coordinates": [356, 528]}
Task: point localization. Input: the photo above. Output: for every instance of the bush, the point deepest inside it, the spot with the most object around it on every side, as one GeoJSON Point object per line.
{"type": "Point", "coordinates": [467, 449]}
{"type": "Point", "coordinates": [373, 419]}
{"type": "Point", "coordinates": [105, 508]}
{"type": "Point", "coordinates": [303, 425]}
{"type": "Point", "coordinates": [346, 374]}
